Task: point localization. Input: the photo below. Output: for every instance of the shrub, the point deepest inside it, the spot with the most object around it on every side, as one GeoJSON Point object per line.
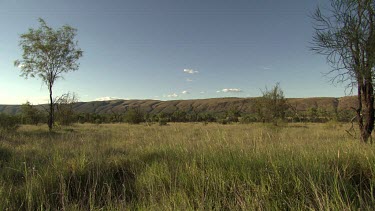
{"type": "Point", "coordinates": [232, 119]}
{"type": "Point", "coordinates": [64, 112]}
{"type": "Point", "coordinates": [30, 114]}
{"type": "Point", "coordinates": [248, 119]}
{"type": "Point", "coordinates": [98, 121]}
{"type": "Point", "coordinates": [163, 121]}
{"type": "Point", "coordinates": [223, 121]}
{"type": "Point", "coordinates": [8, 122]}
{"type": "Point", "coordinates": [272, 106]}
{"type": "Point", "coordinates": [134, 116]}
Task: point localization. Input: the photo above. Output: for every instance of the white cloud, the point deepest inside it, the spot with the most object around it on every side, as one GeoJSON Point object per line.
{"type": "Point", "coordinates": [18, 100]}
{"type": "Point", "coordinates": [202, 92]}
{"type": "Point", "coordinates": [185, 92]}
{"type": "Point", "coordinates": [218, 91]}
{"type": "Point", "coordinates": [189, 80]}
{"type": "Point", "coordinates": [190, 71]}
{"type": "Point", "coordinates": [107, 98]}
{"type": "Point", "coordinates": [174, 95]}
{"type": "Point", "coordinates": [233, 90]}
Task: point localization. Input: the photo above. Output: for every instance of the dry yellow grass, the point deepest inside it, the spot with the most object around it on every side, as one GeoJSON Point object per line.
{"type": "Point", "coordinates": [186, 166]}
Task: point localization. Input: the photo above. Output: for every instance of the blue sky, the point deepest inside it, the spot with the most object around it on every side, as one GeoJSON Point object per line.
{"type": "Point", "coordinates": [171, 49]}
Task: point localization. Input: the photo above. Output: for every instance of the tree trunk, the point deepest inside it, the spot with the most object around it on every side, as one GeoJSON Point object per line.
{"type": "Point", "coordinates": [51, 109]}
{"type": "Point", "coordinates": [365, 112]}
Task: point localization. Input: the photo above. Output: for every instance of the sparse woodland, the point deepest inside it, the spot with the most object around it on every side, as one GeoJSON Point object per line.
{"type": "Point", "coordinates": [274, 156]}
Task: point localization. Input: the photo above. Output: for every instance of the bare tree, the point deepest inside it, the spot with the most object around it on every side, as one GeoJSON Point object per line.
{"type": "Point", "coordinates": [48, 53]}
{"type": "Point", "coordinates": [64, 106]}
{"type": "Point", "coordinates": [346, 36]}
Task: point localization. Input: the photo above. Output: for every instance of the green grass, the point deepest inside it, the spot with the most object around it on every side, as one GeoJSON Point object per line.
{"type": "Point", "coordinates": [186, 167]}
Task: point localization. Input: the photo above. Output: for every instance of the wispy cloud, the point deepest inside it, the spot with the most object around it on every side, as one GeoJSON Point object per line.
{"type": "Point", "coordinates": [189, 80]}
{"type": "Point", "coordinates": [107, 98]}
{"type": "Point", "coordinates": [190, 71]}
{"type": "Point", "coordinates": [185, 92]}
{"type": "Point", "coordinates": [174, 95]}
{"type": "Point", "coordinates": [202, 92]}
{"type": "Point", "coordinates": [266, 68]}
{"type": "Point", "coordinates": [230, 90]}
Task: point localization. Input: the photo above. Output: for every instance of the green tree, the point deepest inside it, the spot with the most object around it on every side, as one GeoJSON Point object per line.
{"type": "Point", "coordinates": [48, 54]}
{"type": "Point", "coordinates": [346, 36]}
{"type": "Point", "coordinates": [179, 116]}
{"type": "Point", "coordinates": [313, 114]}
{"type": "Point", "coordinates": [232, 115]}
{"type": "Point", "coordinates": [134, 116]}
{"type": "Point", "coordinates": [30, 114]}
{"type": "Point", "coordinates": [272, 106]}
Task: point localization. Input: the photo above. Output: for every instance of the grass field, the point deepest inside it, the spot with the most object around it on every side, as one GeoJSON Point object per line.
{"type": "Point", "coordinates": [186, 167]}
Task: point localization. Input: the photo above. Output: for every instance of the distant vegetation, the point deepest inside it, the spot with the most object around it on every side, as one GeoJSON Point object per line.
{"type": "Point", "coordinates": [260, 109]}
{"type": "Point", "coordinates": [272, 107]}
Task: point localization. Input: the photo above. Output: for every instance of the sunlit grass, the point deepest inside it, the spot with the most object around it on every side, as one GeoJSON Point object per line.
{"type": "Point", "coordinates": [186, 166]}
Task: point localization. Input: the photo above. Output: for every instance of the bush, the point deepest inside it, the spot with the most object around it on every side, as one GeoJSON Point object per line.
{"type": "Point", "coordinates": [232, 119]}
{"type": "Point", "coordinates": [248, 119]}
{"type": "Point", "coordinates": [223, 121]}
{"type": "Point", "coordinates": [64, 112]}
{"type": "Point", "coordinates": [8, 122]}
{"type": "Point", "coordinates": [206, 117]}
{"type": "Point", "coordinates": [30, 114]}
{"type": "Point", "coordinates": [163, 121]}
{"type": "Point", "coordinates": [134, 116]}
{"type": "Point", "coordinates": [98, 121]}
{"type": "Point", "coordinates": [271, 106]}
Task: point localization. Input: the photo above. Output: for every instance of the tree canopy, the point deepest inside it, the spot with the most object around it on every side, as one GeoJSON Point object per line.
{"type": "Point", "coordinates": [49, 53]}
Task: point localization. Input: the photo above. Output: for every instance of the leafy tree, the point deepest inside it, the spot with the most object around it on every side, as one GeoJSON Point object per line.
{"type": "Point", "coordinates": [163, 118]}
{"type": "Point", "coordinates": [30, 114]}
{"type": "Point", "coordinates": [179, 116]}
{"type": "Point", "coordinates": [313, 114]}
{"type": "Point", "coordinates": [259, 110]}
{"type": "Point", "coordinates": [116, 116]}
{"type": "Point", "coordinates": [206, 117]}
{"type": "Point", "coordinates": [232, 115]}
{"type": "Point", "coordinates": [272, 106]}
{"type": "Point", "coordinates": [346, 36]}
{"type": "Point", "coordinates": [134, 116]}
{"type": "Point", "coordinates": [48, 53]}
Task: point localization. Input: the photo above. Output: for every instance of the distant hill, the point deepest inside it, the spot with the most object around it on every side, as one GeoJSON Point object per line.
{"type": "Point", "coordinates": [214, 105]}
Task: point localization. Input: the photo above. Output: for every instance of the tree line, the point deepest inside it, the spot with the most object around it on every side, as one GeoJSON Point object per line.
{"type": "Point", "coordinates": [272, 107]}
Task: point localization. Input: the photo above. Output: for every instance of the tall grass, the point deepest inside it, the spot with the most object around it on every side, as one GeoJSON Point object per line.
{"type": "Point", "coordinates": [186, 167]}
